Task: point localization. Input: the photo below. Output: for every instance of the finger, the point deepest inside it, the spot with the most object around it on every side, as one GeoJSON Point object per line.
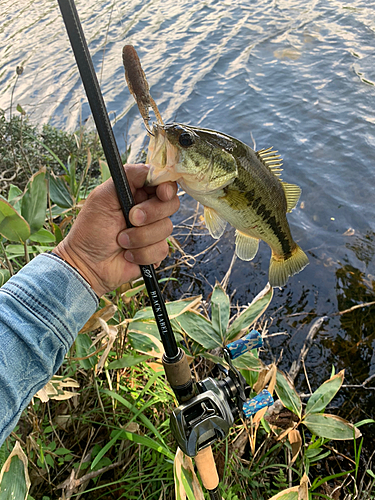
{"type": "Point", "coordinates": [166, 191]}
{"type": "Point", "coordinates": [146, 256]}
{"type": "Point", "coordinates": [153, 210]}
{"type": "Point", "coordinates": [138, 237]}
{"type": "Point", "coordinates": [136, 174]}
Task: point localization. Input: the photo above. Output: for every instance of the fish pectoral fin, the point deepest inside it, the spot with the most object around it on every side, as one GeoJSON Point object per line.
{"type": "Point", "coordinates": [214, 222]}
{"type": "Point", "coordinates": [292, 194]}
{"type": "Point", "coordinates": [246, 246]}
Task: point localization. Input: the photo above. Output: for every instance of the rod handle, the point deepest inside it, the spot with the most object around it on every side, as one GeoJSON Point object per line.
{"type": "Point", "coordinates": [206, 466]}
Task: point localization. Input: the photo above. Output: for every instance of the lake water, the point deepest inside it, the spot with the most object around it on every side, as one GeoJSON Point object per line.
{"type": "Point", "coordinates": [296, 75]}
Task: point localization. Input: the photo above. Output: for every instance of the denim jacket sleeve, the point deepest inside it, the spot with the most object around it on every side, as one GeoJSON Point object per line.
{"type": "Point", "coordinates": [42, 308]}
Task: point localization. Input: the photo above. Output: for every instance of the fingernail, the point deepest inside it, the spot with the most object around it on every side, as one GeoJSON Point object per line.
{"type": "Point", "coordinates": [124, 240]}
{"type": "Point", "coordinates": [169, 192]}
{"type": "Point", "coordinates": [138, 217]}
{"type": "Point", "coordinates": [129, 256]}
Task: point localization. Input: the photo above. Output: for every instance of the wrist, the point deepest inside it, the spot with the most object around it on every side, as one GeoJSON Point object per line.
{"type": "Point", "coordinates": [71, 258]}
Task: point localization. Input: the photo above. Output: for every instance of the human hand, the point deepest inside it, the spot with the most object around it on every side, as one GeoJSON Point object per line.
{"type": "Point", "coordinates": [99, 245]}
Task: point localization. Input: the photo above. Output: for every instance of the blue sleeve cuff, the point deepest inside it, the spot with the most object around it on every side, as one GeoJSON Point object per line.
{"type": "Point", "coordinates": [42, 308]}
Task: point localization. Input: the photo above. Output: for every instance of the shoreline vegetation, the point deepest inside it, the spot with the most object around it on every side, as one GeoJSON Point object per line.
{"type": "Point", "coordinates": [100, 427]}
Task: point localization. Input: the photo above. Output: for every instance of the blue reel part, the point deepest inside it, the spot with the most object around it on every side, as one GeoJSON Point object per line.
{"type": "Point", "coordinates": [252, 340]}
{"type": "Point", "coordinates": [255, 404]}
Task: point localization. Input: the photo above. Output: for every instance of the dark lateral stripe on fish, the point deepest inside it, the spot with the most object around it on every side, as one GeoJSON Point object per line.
{"type": "Point", "coordinates": [269, 219]}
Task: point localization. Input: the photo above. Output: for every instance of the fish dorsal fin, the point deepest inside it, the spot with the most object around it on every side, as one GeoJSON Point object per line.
{"type": "Point", "coordinates": [246, 246]}
{"type": "Point", "coordinates": [214, 222]}
{"type": "Point", "coordinates": [292, 194]}
{"type": "Point", "coordinates": [271, 159]}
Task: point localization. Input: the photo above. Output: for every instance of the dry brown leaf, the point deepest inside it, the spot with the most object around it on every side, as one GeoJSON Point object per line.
{"type": "Point", "coordinates": [286, 432]}
{"type": "Point", "coordinates": [182, 461]}
{"type": "Point", "coordinates": [106, 313]}
{"type": "Point", "coordinates": [55, 389]}
{"type": "Point", "coordinates": [303, 490]}
{"type": "Point", "coordinates": [109, 331]}
{"type": "Point", "coordinates": [296, 442]}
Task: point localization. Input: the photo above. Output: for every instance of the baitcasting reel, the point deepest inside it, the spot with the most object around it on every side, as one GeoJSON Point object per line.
{"type": "Point", "coordinates": [207, 417]}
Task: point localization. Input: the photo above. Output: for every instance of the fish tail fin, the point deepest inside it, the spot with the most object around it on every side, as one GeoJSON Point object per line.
{"type": "Point", "coordinates": [281, 269]}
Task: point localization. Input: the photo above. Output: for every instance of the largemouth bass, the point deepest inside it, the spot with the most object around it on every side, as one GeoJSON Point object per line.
{"type": "Point", "coordinates": [234, 184]}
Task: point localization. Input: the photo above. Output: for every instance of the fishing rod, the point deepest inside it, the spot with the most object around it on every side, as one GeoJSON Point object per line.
{"type": "Point", "coordinates": [174, 359]}
{"type": "Point", "coordinates": [207, 409]}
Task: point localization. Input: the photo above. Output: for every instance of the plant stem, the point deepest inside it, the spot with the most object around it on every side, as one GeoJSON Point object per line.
{"type": "Point", "coordinates": [9, 264]}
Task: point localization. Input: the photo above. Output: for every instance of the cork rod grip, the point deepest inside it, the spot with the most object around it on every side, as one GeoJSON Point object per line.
{"type": "Point", "coordinates": [207, 468]}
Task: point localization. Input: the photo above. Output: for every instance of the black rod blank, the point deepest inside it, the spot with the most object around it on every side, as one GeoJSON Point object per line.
{"type": "Point", "coordinates": [103, 125]}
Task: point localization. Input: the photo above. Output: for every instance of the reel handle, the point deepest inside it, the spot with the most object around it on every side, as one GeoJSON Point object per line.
{"type": "Point", "coordinates": [252, 340]}
{"type": "Point", "coordinates": [258, 402]}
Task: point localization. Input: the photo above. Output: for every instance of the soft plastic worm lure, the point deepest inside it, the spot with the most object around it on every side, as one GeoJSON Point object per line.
{"type": "Point", "coordinates": [138, 86]}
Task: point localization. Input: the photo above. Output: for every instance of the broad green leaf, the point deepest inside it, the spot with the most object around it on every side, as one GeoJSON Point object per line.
{"type": "Point", "coordinates": [148, 327]}
{"type": "Point", "coordinates": [288, 394]}
{"type": "Point", "coordinates": [4, 276]}
{"type": "Point", "coordinates": [34, 201]}
{"type": "Point", "coordinates": [173, 308]}
{"type": "Point", "coordinates": [14, 477]}
{"type": "Point", "coordinates": [288, 494]}
{"type": "Point", "coordinates": [127, 361]}
{"type": "Point", "coordinates": [324, 394]}
{"type": "Point", "coordinates": [145, 342]}
{"type": "Point", "coordinates": [185, 479]}
{"type": "Point", "coordinates": [330, 426]}
{"type": "Point", "coordinates": [140, 288]}
{"type": "Point", "coordinates": [249, 365]}
{"type": "Point", "coordinates": [199, 329]}
{"type": "Point", "coordinates": [220, 310]}
{"type": "Point", "coordinates": [104, 170]}
{"type": "Point", "coordinates": [21, 110]}
{"type": "Point", "coordinates": [14, 251]}
{"type": "Point", "coordinates": [251, 313]}
{"type": "Point", "coordinates": [59, 192]}
{"type": "Point", "coordinates": [12, 225]}
{"type": "Point", "coordinates": [42, 236]}
{"type": "Point", "coordinates": [58, 234]}
{"type": "Point", "coordinates": [14, 197]}
{"type": "Point", "coordinates": [84, 348]}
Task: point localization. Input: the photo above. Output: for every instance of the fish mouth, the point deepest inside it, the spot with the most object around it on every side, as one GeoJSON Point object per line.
{"type": "Point", "coordinates": [162, 157]}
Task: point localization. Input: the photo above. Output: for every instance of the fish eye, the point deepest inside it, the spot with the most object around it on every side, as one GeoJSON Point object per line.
{"type": "Point", "coordinates": [185, 140]}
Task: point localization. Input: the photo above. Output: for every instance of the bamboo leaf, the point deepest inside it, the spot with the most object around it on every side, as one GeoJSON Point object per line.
{"type": "Point", "coordinates": [59, 192]}
{"type": "Point", "coordinates": [324, 394]}
{"type": "Point", "coordinates": [14, 477]}
{"type": "Point", "coordinates": [185, 479]}
{"type": "Point", "coordinates": [174, 309]}
{"type": "Point", "coordinates": [14, 197]}
{"type": "Point", "coordinates": [104, 170]}
{"type": "Point", "coordinates": [252, 313]}
{"type": "Point", "coordinates": [12, 225]}
{"type": "Point", "coordinates": [288, 494]}
{"type": "Point", "coordinates": [200, 329]}
{"type": "Point", "coordinates": [43, 236]}
{"type": "Point", "coordinates": [127, 361]}
{"type": "Point", "coordinates": [288, 394]}
{"type": "Point", "coordinates": [84, 348]}
{"type": "Point", "coordinates": [4, 276]}
{"type": "Point", "coordinates": [34, 201]}
{"type": "Point", "coordinates": [220, 310]}
{"type": "Point", "coordinates": [330, 426]}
